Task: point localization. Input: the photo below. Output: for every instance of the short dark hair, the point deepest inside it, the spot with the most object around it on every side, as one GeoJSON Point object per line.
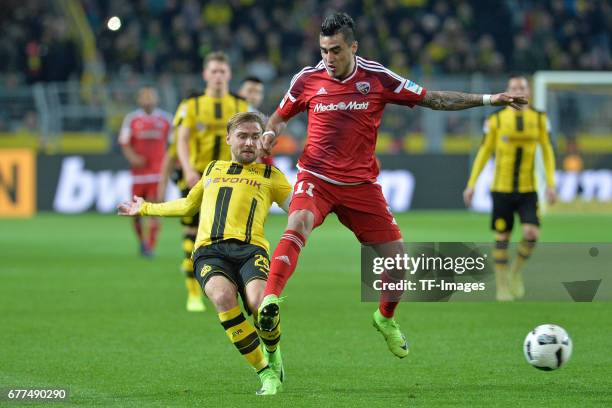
{"type": "Point", "coordinates": [244, 117]}
{"type": "Point", "coordinates": [252, 78]}
{"type": "Point", "coordinates": [339, 22]}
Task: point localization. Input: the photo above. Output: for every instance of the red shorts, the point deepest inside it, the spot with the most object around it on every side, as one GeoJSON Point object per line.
{"type": "Point", "coordinates": [361, 208]}
{"type": "Point", "coordinates": [148, 191]}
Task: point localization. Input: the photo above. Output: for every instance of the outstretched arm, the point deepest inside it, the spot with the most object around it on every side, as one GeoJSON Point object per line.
{"type": "Point", "coordinates": [187, 206]}
{"type": "Point", "coordinates": [451, 100]}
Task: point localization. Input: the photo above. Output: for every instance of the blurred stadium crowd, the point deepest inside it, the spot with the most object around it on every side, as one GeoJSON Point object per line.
{"type": "Point", "coordinates": [273, 38]}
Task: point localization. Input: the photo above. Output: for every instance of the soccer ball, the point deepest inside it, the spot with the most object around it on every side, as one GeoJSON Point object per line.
{"type": "Point", "coordinates": [547, 347]}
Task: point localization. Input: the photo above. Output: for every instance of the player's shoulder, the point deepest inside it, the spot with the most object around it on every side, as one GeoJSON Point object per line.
{"type": "Point", "coordinates": [276, 173]}
{"type": "Point", "coordinates": [240, 101]}
{"type": "Point", "coordinates": [368, 63]}
{"type": "Point", "coordinates": [266, 171]}
{"type": "Point", "coordinates": [234, 95]}
{"type": "Point", "coordinates": [538, 112]}
{"type": "Point", "coordinates": [216, 165]}
{"type": "Point", "coordinates": [167, 116]}
{"type": "Point", "coordinates": [308, 71]}
{"type": "Point", "coordinates": [189, 102]}
{"type": "Point", "coordinates": [135, 114]}
{"type": "Point", "coordinates": [374, 69]}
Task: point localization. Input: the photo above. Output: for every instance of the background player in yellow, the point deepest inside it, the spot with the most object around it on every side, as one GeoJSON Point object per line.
{"type": "Point", "coordinates": [200, 134]}
{"type": "Point", "coordinates": [231, 252]}
{"type": "Point", "coordinates": [514, 135]}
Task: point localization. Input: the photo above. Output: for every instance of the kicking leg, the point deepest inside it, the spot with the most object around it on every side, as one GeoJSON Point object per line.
{"type": "Point", "coordinates": [270, 338]}
{"type": "Point", "coordinates": [284, 262]}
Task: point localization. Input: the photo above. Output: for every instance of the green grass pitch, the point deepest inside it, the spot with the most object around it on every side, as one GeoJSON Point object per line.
{"type": "Point", "coordinates": [80, 309]}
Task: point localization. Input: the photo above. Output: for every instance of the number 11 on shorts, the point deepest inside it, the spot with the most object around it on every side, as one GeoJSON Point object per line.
{"type": "Point", "coordinates": [299, 188]}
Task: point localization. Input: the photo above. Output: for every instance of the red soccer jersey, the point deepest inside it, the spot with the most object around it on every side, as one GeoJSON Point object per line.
{"type": "Point", "coordinates": [344, 116]}
{"type": "Point", "coordinates": [148, 136]}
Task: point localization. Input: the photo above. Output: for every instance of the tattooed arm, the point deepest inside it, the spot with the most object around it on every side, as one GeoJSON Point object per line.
{"type": "Point", "coordinates": [451, 100]}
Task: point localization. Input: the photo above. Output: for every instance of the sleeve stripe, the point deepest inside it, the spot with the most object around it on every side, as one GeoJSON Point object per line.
{"type": "Point", "coordinates": [403, 82]}
{"type": "Point", "coordinates": [305, 71]}
{"type": "Point", "coordinates": [383, 70]}
{"type": "Point", "coordinates": [400, 86]}
{"type": "Point", "coordinates": [375, 66]}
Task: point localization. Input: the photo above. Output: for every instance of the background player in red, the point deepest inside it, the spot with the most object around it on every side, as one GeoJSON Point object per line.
{"type": "Point", "coordinates": [143, 139]}
{"type": "Point", "coordinates": [345, 96]}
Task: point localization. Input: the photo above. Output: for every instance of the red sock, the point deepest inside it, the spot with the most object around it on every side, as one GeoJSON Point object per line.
{"type": "Point", "coordinates": [153, 230]}
{"type": "Point", "coordinates": [138, 228]}
{"type": "Point", "coordinates": [284, 261]}
{"type": "Point", "coordinates": [389, 299]}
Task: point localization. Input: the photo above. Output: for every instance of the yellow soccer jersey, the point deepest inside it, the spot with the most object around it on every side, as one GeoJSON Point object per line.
{"type": "Point", "coordinates": [233, 200]}
{"type": "Point", "coordinates": [207, 119]}
{"type": "Point", "coordinates": [176, 122]}
{"type": "Point", "coordinates": [514, 136]}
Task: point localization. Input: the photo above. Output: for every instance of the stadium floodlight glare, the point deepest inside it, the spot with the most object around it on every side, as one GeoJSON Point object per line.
{"type": "Point", "coordinates": [114, 23]}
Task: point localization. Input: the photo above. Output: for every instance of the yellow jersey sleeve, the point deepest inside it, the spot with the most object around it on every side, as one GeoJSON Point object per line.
{"type": "Point", "coordinates": [486, 149]}
{"type": "Point", "coordinates": [281, 192]}
{"type": "Point", "coordinates": [188, 114]}
{"type": "Point", "coordinates": [178, 119]}
{"type": "Point", "coordinates": [547, 151]}
{"type": "Point", "coordinates": [187, 206]}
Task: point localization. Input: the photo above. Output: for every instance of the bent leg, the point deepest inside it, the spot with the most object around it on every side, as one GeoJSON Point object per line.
{"type": "Point", "coordinates": [223, 295]}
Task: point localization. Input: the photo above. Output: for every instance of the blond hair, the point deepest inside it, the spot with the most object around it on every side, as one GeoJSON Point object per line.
{"type": "Point", "coordinates": [218, 56]}
{"type": "Point", "coordinates": [244, 117]}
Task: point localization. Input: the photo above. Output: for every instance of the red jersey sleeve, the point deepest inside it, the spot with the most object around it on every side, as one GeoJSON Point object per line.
{"type": "Point", "coordinates": [125, 134]}
{"type": "Point", "coordinates": [294, 100]}
{"type": "Point", "coordinates": [399, 90]}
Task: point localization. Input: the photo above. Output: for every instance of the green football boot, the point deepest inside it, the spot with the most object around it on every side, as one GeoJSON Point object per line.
{"type": "Point", "coordinates": [268, 315]}
{"type": "Point", "coordinates": [275, 361]}
{"type": "Point", "coordinates": [270, 383]}
{"type": "Point", "coordinates": [396, 341]}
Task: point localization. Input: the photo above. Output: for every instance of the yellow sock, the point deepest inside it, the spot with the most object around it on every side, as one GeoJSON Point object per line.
{"type": "Point", "coordinates": [243, 335]}
{"type": "Point", "coordinates": [270, 338]}
{"type": "Point", "coordinates": [524, 251]}
{"type": "Point", "coordinates": [500, 256]}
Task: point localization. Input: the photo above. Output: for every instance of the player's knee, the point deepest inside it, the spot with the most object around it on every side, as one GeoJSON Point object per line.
{"type": "Point", "coordinates": [301, 221]}
{"type": "Point", "coordinates": [224, 298]}
{"type": "Point", "coordinates": [502, 236]}
{"type": "Point", "coordinates": [531, 233]}
{"type": "Point", "coordinates": [255, 294]}
{"type": "Point", "coordinates": [254, 304]}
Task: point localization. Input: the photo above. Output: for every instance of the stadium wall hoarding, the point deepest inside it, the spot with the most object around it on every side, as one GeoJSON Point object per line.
{"type": "Point", "coordinates": [17, 181]}
{"type": "Point", "coordinates": [73, 184]}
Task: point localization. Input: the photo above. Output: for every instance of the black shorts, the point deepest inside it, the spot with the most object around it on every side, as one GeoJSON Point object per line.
{"type": "Point", "coordinates": [506, 204]}
{"type": "Point", "coordinates": [192, 221]}
{"type": "Point", "coordinates": [236, 260]}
